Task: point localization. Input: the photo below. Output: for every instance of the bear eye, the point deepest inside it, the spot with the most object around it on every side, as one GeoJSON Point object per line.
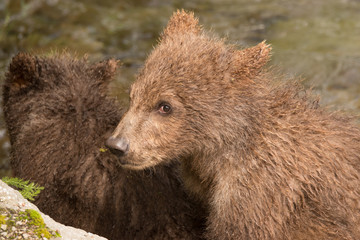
{"type": "Point", "coordinates": [164, 108]}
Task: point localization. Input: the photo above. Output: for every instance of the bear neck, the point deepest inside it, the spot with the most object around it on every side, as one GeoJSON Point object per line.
{"type": "Point", "coordinates": [201, 171]}
{"type": "Point", "coordinates": [256, 119]}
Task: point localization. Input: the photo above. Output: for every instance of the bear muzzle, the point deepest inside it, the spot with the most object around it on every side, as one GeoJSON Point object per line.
{"type": "Point", "coordinates": [118, 146]}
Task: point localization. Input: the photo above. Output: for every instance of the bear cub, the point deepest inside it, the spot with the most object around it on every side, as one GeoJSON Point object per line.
{"type": "Point", "coordinates": [264, 159]}
{"type": "Point", "coordinates": [58, 115]}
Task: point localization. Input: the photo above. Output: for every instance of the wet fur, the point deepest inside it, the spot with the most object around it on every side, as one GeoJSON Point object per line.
{"type": "Point", "coordinates": [58, 115]}
{"type": "Point", "coordinates": [263, 157]}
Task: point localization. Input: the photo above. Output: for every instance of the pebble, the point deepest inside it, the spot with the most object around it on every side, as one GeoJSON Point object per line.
{"type": "Point", "coordinates": [3, 227]}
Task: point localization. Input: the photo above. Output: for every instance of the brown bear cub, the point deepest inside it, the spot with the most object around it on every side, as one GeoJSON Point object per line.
{"type": "Point", "coordinates": [266, 161]}
{"type": "Point", "coordinates": [58, 115]}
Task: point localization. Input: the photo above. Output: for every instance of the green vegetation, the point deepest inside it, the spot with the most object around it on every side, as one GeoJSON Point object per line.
{"type": "Point", "coordinates": [34, 217]}
{"type": "Point", "coordinates": [103, 149]}
{"type": "Point", "coordinates": [43, 232]}
{"type": "Point", "coordinates": [31, 218]}
{"type": "Point", "coordinates": [27, 189]}
{"type": "Point", "coordinates": [2, 219]}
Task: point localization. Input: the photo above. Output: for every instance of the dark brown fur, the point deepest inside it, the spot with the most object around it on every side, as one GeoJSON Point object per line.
{"type": "Point", "coordinates": [58, 115]}
{"type": "Point", "coordinates": [263, 157]}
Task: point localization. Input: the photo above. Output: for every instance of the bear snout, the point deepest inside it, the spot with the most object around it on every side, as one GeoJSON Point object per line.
{"type": "Point", "coordinates": [118, 146]}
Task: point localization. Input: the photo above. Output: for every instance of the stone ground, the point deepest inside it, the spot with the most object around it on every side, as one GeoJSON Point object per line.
{"type": "Point", "coordinates": [12, 202]}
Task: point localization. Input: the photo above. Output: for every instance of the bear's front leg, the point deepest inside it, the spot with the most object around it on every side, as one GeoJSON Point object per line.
{"type": "Point", "coordinates": [242, 210]}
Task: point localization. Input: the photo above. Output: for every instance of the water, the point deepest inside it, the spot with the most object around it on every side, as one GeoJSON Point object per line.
{"type": "Point", "coordinates": [315, 40]}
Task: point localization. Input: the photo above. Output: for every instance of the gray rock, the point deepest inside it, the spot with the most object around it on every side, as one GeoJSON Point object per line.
{"type": "Point", "coordinates": [10, 198]}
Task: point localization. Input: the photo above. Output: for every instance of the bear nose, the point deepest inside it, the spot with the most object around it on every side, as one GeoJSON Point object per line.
{"type": "Point", "coordinates": [118, 146]}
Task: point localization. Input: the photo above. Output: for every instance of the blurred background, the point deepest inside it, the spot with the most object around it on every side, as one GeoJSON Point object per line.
{"type": "Point", "coordinates": [315, 40]}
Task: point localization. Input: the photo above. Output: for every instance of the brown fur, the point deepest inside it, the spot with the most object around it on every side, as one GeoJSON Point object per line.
{"type": "Point", "coordinates": [263, 157]}
{"type": "Point", "coordinates": [58, 116]}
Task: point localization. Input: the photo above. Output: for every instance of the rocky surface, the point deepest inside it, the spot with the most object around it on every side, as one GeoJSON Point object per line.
{"type": "Point", "coordinates": [12, 203]}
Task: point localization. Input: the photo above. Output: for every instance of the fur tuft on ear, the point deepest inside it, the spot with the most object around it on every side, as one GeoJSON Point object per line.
{"type": "Point", "coordinates": [23, 71]}
{"type": "Point", "coordinates": [249, 62]}
{"type": "Point", "coordinates": [104, 70]}
{"type": "Point", "coordinates": [181, 22]}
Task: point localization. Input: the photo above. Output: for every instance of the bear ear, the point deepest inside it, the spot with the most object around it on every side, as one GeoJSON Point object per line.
{"type": "Point", "coordinates": [181, 22]}
{"type": "Point", "coordinates": [249, 61]}
{"type": "Point", "coordinates": [104, 70]}
{"type": "Point", "coordinates": [23, 71]}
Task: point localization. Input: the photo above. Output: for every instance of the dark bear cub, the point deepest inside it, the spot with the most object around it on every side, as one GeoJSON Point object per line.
{"type": "Point", "coordinates": [265, 160]}
{"type": "Point", "coordinates": [58, 116]}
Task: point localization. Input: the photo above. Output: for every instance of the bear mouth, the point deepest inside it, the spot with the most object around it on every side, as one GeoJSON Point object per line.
{"type": "Point", "coordinates": [124, 163]}
{"type": "Point", "coordinates": [132, 166]}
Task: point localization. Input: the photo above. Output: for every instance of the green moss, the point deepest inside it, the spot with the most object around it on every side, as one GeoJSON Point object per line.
{"type": "Point", "coordinates": [57, 234]}
{"type": "Point", "coordinates": [35, 217]}
{"type": "Point", "coordinates": [22, 216]}
{"type": "Point", "coordinates": [31, 217]}
{"type": "Point", "coordinates": [10, 223]}
{"type": "Point", "coordinates": [43, 232]}
{"type": "Point", "coordinates": [2, 219]}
